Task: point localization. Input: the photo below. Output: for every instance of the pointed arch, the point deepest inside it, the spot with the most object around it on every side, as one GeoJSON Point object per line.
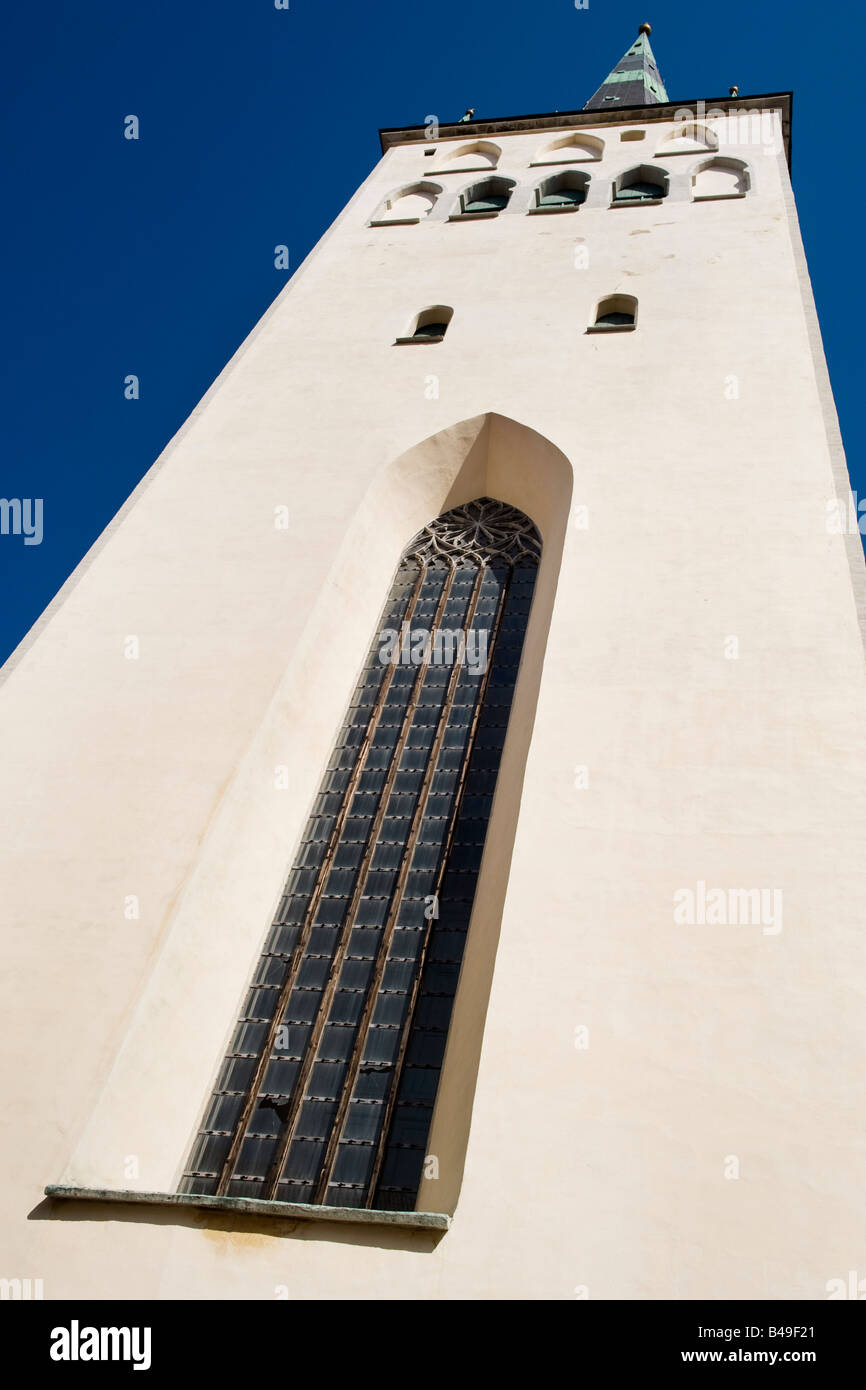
{"type": "Point", "coordinates": [272, 1127]}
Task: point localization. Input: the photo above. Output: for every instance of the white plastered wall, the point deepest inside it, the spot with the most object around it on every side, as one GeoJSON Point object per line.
{"type": "Point", "coordinates": [704, 450]}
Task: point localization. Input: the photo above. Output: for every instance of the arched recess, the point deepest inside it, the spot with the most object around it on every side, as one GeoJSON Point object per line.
{"type": "Point", "coordinates": [720, 177]}
{"type": "Point", "coordinates": [480, 154]}
{"type": "Point", "coordinates": [615, 313]}
{"type": "Point", "coordinates": [564, 192]}
{"type": "Point", "coordinates": [487, 457]}
{"type": "Point", "coordinates": [410, 203]}
{"type": "Point", "coordinates": [430, 325]}
{"type": "Point", "coordinates": [483, 198]}
{"type": "Point", "coordinates": [687, 137]}
{"type": "Point", "coordinates": [645, 183]}
{"type": "Point", "coordinates": [570, 149]}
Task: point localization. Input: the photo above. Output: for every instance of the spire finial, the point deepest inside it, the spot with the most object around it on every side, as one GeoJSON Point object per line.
{"type": "Point", "coordinates": [635, 81]}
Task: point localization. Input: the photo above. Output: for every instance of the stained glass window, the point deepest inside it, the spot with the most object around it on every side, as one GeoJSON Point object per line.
{"type": "Point", "coordinates": [327, 1091]}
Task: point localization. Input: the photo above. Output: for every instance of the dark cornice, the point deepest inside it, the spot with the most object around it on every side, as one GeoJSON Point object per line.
{"type": "Point", "coordinates": [626, 115]}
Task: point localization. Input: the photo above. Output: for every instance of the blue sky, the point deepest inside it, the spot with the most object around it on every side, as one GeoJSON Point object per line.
{"type": "Point", "coordinates": [156, 256]}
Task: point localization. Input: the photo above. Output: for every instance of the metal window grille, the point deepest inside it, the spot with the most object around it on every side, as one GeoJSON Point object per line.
{"type": "Point", "coordinates": [326, 1094]}
{"type": "Point", "coordinates": [640, 192]}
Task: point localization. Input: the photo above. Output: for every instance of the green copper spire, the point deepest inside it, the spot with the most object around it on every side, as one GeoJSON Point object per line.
{"type": "Point", "coordinates": [635, 81]}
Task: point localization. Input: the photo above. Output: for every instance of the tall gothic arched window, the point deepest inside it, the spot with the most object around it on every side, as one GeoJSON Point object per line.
{"type": "Point", "coordinates": [326, 1094]}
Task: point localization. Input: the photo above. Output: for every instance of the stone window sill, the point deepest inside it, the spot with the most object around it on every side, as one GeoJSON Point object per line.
{"type": "Point", "coordinates": [637, 202]}
{"type": "Point", "coordinates": [404, 342]}
{"type": "Point", "coordinates": [464, 169]}
{"type": "Point", "coordinates": [564, 163]}
{"type": "Point", "coordinates": [611, 328]}
{"type": "Point", "coordinates": [543, 212]}
{"type": "Point", "coordinates": [472, 216]}
{"type": "Point", "coordinates": [394, 221]}
{"type": "Point", "coordinates": [254, 1206]}
{"type": "Point", "coordinates": [715, 197]}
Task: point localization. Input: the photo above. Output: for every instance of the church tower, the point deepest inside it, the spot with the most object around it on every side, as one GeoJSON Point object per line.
{"type": "Point", "coordinates": [435, 805]}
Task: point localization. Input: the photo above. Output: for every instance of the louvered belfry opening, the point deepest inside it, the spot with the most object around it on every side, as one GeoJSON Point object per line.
{"type": "Point", "coordinates": [327, 1091]}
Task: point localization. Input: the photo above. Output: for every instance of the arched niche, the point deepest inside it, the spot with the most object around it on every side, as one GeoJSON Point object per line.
{"type": "Point", "coordinates": [563, 192]}
{"type": "Point", "coordinates": [479, 154]}
{"type": "Point", "coordinates": [411, 203]}
{"type": "Point", "coordinates": [474, 471]}
{"type": "Point", "coordinates": [429, 325]}
{"type": "Point", "coordinates": [720, 178]}
{"type": "Point", "coordinates": [614, 313]}
{"type": "Point", "coordinates": [690, 137]}
{"type": "Point", "coordinates": [483, 198]}
{"type": "Point", "coordinates": [645, 183]}
{"type": "Point", "coordinates": [571, 149]}
{"type": "Point", "coordinates": [489, 455]}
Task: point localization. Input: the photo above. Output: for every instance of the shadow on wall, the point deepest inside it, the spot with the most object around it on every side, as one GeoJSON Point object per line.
{"type": "Point", "coordinates": [234, 1230]}
{"type": "Point", "coordinates": [243, 861]}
